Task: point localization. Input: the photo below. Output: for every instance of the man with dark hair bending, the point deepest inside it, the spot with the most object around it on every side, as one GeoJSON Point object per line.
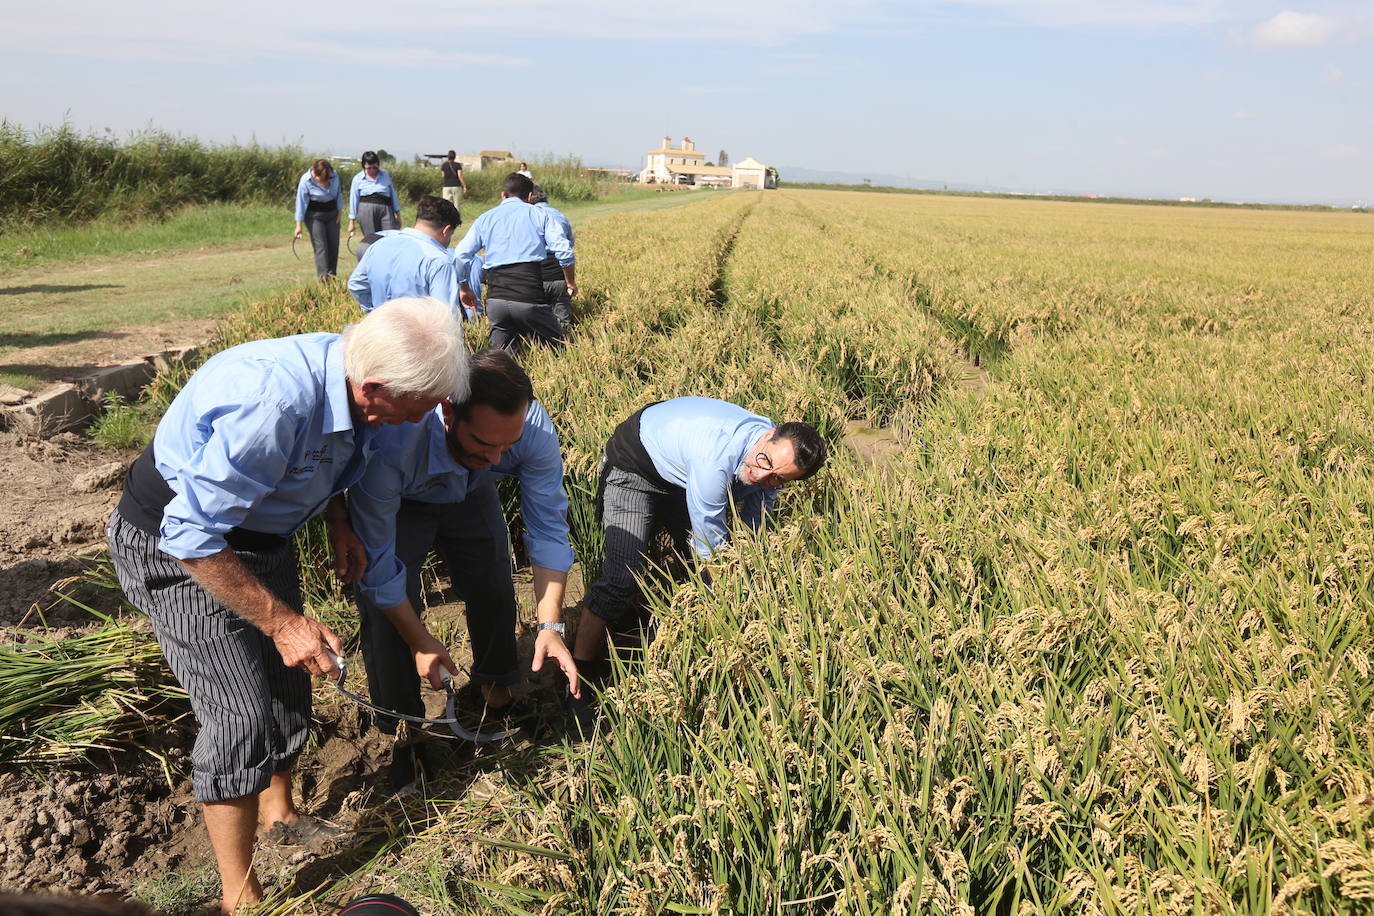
{"type": "Point", "coordinates": [404, 263]}
{"type": "Point", "coordinates": [516, 237]}
{"type": "Point", "coordinates": [682, 464]}
{"type": "Point", "coordinates": [434, 487]}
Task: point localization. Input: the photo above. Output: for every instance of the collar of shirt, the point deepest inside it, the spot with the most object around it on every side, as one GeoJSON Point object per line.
{"type": "Point", "coordinates": [421, 237]}
{"type": "Point", "coordinates": [337, 413]}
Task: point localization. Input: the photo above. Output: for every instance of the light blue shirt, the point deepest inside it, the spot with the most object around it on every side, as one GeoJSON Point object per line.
{"type": "Point", "coordinates": [404, 262]}
{"type": "Point", "coordinates": [513, 233]}
{"type": "Point", "coordinates": [415, 463]}
{"type": "Point", "coordinates": [562, 221]}
{"type": "Point", "coordinates": [475, 272]}
{"type": "Point", "coordinates": [700, 444]}
{"type": "Point", "coordinates": [308, 189]}
{"type": "Point", "coordinates": [363, 186]}
{"type": "Point", "coordinates": [261, 437]}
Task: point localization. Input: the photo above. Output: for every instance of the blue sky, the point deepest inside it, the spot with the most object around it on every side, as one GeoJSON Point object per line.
{"type": "Point", "coordinates": [1228, 99]}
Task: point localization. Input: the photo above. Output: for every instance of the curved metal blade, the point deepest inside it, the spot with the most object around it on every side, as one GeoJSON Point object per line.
{"type": "Point", "coordinates": [294, 240]}
{"type": "Point", "coordinates": [351, 250]}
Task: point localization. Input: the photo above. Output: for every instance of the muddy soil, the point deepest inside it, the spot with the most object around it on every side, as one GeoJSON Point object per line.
{"type": "Point", "coordinates": [59, 493]}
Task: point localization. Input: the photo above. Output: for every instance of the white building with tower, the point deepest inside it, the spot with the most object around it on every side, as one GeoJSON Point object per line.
{"type": "Point", "coordinates": [684, 165]}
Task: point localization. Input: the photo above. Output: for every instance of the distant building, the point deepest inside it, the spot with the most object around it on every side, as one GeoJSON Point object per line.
{"type": "Point", "coordinates": [487, 159]}
{"type": "Point", "coordinates": [684, 165]}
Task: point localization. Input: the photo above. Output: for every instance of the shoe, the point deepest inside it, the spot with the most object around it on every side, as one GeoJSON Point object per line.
{"type": "Point", "coordinates": [478, 718]}
{"type": "Point", "coordinates": [404, 768]}
{"type": "Point", "coordinates": [303, 831]}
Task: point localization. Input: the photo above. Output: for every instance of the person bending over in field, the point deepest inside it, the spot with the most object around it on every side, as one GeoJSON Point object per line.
{"type": "Point", "coordinates": [264, 436]}
{"type": "Point", "coordinates": [681, 464]}
{"type": "Point", "coordinates": [411, 262]}
{"type": "Point", "coordinates": [516, 237]}
{"type": "Point", "coordinates": [434, 487]}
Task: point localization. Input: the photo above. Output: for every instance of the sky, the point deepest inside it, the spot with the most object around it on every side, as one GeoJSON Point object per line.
{"type": "Point", "coordinates": [1223, 99]}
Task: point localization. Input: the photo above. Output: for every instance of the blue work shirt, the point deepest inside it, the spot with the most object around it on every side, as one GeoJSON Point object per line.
{"type": "Point", "coordinates": [260, 438]}
{"type": "Point", "coordinates": [701, 444]}
{"type": "Point", "coordinates": [415, 463]}
{"type": "Point", "coordinates": [363, 186]}
{"type": "Point", "coordinates": [562, 221]}
{"type": "Point", "coordinates": [308, 189]}
{"type": "Point", "coordinates": [404, 262]}
{"type": "Point", "coordinates": [513, 233]}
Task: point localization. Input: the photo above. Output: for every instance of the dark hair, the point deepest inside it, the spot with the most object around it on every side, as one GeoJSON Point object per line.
{"type": "Point", "coordinates": [436, 211]}
{"type": "Point", "coordinates": [452, 154]}
{"type": "Point", "coordinates": [370, 158]}
{"type": "Point", "coordinates": [808, 448]}
{"type": "Point", "coordinates": [538, 195]}
{"type": "Point", "coordinates": [497, 381]}
{"type": "Point", "coordinates": [322, 170]}
{"type": "Point", "coordinates": [517, 185]}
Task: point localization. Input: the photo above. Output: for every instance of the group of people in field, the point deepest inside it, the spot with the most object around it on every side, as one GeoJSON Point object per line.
{"type": "Point", "coordinates": [396, 434]}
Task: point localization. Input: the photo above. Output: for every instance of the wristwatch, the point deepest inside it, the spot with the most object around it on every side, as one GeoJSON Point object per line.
{"type": "Point", "coordinates": [556, 627]}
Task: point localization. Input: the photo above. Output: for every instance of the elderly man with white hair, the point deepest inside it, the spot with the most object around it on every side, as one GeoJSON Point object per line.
{"type": "Point", "coordinates": [264, 436]}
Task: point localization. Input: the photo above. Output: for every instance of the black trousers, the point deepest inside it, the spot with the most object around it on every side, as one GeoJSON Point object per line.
{"type": "Point", "coordinates": [472, 539]}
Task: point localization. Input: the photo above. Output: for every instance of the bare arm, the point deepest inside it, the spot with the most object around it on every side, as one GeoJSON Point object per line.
{"type": "Point", "coordinates": [302, 642]}
{"type": "Point", "coordinates": [430, 654]}
{"type": "Point", "coordinates": [570, 278]}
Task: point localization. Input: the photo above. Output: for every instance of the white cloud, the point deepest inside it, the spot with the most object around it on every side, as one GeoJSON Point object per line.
{"type": "Point", "coordinates": [1295, 30]}
{"type": "Point", "coordinates": [1246, 116]}
{"type": "Point", "coordinates": [1340, 151]}
{"type": "Point", "coordinates": [1332, 74]}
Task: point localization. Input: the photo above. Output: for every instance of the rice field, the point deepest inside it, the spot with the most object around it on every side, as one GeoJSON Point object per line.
{"type": "Point", "coordinates": [1096, 638]}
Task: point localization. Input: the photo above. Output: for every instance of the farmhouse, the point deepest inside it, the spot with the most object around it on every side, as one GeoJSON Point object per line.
{"type": "Point", "coordinates": [684, 165]}
{"type": "Point", "coordinates": [486, 159]}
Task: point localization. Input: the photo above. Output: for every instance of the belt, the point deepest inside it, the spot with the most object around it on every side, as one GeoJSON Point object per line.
{"type": "Point", "coordinates": [376, 199]}
{"type": "Point", "coordinates": [321, 206]}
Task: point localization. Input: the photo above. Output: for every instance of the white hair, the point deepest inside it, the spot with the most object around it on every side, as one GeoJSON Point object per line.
{"type": "Point", "coordinates": [414, 346]}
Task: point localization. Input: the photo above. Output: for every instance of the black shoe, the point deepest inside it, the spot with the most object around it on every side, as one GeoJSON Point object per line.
{"type": "Point", "coordinates": [480, 719]}
{"type": "Point", "coordinates": [405, 767]}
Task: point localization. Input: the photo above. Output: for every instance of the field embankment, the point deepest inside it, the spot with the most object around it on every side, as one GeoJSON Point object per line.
{"type": "Point", "coordinates": [1095, 639]}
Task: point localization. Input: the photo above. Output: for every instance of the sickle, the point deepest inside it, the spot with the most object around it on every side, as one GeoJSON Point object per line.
{"type": "Point", "coordinates": [450, 714]}
{"type": "Point", "coordinates": [294, 240]}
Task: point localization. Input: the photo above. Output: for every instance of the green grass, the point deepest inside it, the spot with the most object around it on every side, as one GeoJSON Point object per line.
{"type": "Point", "coordinates": [196, 226]}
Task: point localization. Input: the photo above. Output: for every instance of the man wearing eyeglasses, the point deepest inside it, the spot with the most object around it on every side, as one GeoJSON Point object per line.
{"type": "Point", "coordinates": [684, 464]}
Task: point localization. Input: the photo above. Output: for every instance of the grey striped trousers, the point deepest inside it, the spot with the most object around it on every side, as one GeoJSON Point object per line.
{"type": "Point", "coordinates": [253, 711]}
{"type": "Point", "coordinates": [632, 509]}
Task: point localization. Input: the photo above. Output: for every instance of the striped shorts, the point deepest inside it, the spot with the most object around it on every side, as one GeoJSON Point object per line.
{"type": "Point", "coordinates": [253, 711]}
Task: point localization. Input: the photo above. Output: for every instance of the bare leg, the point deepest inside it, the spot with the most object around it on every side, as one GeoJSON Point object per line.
{"type": "Point", "coordinates": [231, 825]}
{"type": "Point", "coordinates": [496, 695]}
{"type": "Point", "coordinates": [590, 645]}
{"type": "Point", "coordinates": [275, 802]}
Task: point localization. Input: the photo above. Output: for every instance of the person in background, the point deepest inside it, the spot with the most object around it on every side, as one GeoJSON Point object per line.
{"type": "Point", "coordinates": [372, 202]}
{"type": "Point", "coordinates": [684, 464]}
{"type": "Point", "coordinates": [555, 287]}
{"type": "Point", "coordinates": [455, 185]}
{"type": "Point", "coordinates": [433, 487]}
{"type": "Point", "coordinates": [516, 236]}
{"type": "Point", "coordinates": [411, 262]}
{"type": "Point", "coordinates": [264, 436]}
{"type": "Point", "coordinates": [524, 170]}
{"type": "Point", "coordinates": [319, 208]}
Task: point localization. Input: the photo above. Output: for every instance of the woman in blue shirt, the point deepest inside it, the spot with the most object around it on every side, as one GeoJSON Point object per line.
{"type": "Point", "coordinates": [319, 206]}
{"type": "Point", "coordinates": [372, 201]}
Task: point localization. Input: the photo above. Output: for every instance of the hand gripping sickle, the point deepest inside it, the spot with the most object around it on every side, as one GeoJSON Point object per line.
{"type": "Point", "coordinates": [450, 712]}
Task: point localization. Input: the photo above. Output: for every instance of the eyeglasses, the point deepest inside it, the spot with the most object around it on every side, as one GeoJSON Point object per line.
{"type": "Point", "coordinates": [763, 463]}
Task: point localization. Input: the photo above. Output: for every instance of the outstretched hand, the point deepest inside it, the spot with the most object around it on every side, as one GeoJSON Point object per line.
{"type": "Point", "coordinates": [308, 644]}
